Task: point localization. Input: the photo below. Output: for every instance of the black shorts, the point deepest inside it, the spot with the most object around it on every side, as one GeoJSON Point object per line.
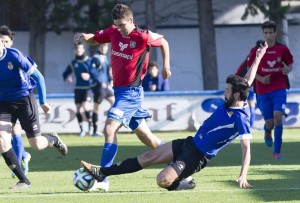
{"type": "Point", "coordinates": [101, 93]}
{"type": "Point", "coordinates": [188, 159]}
{"type": "Point", "coordinates": [24, 109]}
{"type": "Point", "coordinates": [81, 95]}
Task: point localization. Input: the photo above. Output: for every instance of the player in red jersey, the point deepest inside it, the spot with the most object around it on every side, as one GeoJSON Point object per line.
{"type": "Point", "coordinates": [130, 48]}
{"type": "Point", "coordinates": [271, 84]}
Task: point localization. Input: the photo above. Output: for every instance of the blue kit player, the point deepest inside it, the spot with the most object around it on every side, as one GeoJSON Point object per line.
{"type": "Point", "coordinates": [17, 101]}
{"type": "Point", "coordinates": [192, 154]}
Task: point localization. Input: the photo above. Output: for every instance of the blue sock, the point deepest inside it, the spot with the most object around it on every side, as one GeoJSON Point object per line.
{"type": "Point", "coordinates": [108, 155]}
{"type": "Point", "coordinates": [252, 116]}
{"type": "Point", "coordinates": [266, 129]}
{"type": "Point", "coordinates": [18, 147]}
{"type": "Point", "coordinates": [277, 138]}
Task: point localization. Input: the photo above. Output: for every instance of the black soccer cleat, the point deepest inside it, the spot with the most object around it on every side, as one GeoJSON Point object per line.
{"type": "Point", "coordinates": [60, 146]}
{"type": "Point", "coordinates": [93, 170]}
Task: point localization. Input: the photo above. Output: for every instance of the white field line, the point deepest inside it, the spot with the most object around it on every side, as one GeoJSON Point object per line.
{"type": "Point", "coordinates": [15, 196]}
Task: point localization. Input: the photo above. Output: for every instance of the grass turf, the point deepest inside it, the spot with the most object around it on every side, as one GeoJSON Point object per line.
{"type": "Point", "coordinates": [51, 175]}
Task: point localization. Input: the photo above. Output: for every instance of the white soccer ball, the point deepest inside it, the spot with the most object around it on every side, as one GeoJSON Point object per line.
{"type": "Point", "coordinates": [83, 180]}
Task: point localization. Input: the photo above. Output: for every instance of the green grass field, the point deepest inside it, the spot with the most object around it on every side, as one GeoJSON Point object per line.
{"type": "Point", "coordinates": [51, 175]}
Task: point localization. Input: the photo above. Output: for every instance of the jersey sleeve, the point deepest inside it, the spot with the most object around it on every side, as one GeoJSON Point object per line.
{"type": "Point", "coordinates": [103, 36]}
{"type": "Point", "coordinates": [287, 56]}
{"type": "Point", "coordinates": [154, 39]}
{"type": "Point", "coordinates": [251, 57]}
{"type": "Point", "coordinates": [243, 125]}
{"type": "Point", "coordinates": [26, 63]}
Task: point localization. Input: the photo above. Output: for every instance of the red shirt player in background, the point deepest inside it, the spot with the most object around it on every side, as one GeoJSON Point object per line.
{"type": "Point", "coordinates": [271, 84]}
{"type": "Point", "coordinates": [130, 48]}
{"type": "Point", "coordinates": [241, 71]}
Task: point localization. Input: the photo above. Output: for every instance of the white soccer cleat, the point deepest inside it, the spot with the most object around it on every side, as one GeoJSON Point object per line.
{"type": "Point", "coordinates": [102, 186]}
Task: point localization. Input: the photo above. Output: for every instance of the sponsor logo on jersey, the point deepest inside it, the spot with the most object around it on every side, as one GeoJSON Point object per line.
{"type": "Point", "coordinates": [10, 65]}
{"type": "Point", "coordinates": [125, 56]}
{"type": "Point", "coordinates": [122, 46]}
{"type": "Point", "coordinates": [271, 63]}
{"type": "Point", "coordinates": [132, 44]}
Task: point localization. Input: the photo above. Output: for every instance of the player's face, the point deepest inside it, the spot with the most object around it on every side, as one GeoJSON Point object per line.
{"type": "Point", "coordinates": [79, 50]}
{"type": "Point", "coordinates": [269, 35]}
{"type": "Point", "coordinates": [125, 25]}
{"type": "Point", "coordinates": [103, 48]}
{"type": "Point", "coordinates": [229, 98]}
{"type": "Point", "coordinates": [7, 42]}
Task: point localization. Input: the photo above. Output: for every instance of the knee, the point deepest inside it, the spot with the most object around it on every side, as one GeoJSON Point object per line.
{"type": "Point", "coordinates": [162, 181]}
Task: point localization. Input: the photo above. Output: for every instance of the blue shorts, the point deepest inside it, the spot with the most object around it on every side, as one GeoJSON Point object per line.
{"type": "Point", "coordinates": [251, 95]}
{"type": "Point", "coordinates": [127, 107]}
{"type": "Point", "coordinates": [270, 102]}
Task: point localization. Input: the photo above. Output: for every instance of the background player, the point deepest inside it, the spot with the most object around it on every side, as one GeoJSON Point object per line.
{"type": "Point", "coordinates": [271, 84]}
{"type": "Point", "coordinates": [80, 67]}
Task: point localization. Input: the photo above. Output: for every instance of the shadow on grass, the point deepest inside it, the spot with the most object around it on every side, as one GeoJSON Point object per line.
{"type": "Point", "coordinates": [268, 190]}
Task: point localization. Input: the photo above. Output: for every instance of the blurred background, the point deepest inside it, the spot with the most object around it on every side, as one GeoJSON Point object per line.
{"type": "Point", "coordinates": [208, 38]}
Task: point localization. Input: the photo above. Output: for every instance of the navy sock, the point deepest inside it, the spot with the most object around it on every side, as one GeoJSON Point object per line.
{"type": "Point", "coordinates": [11, 161]}
{"type": "Point", "coordinates": [277, 138]}
{"type": "Point", "coordinates": [79, 118]}
{"type": "Point", "coordinates": [95, 121]}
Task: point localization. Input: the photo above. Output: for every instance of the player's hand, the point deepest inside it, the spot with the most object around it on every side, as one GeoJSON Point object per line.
{"type": "Point", "coordinates": [78, 37]}
{"type": "Point", "coordinates": [166, 73]}
{"type": "Point", "coordinates": [69, 79]}
{"type": "Point", "coordinates": [266, 79]}
{"type": "Point", "coordinates": [260, 52]}
{"type": "Point", "coordinates": [46, 107]}
{"type": "Point", "coordinates": [85, 76]}
{"type": "Point", "coordinates": [286, 69]}
{"type": "Point", "coordinates": [242, 181]}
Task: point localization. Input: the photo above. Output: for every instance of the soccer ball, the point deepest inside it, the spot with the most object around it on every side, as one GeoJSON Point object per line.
{"type": "Point", "coordinates": [83, 180]}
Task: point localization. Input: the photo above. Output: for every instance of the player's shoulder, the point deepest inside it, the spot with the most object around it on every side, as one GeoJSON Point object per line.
{"type": "Point", "coordinates": [281, 46]}
{"type": "Point", "coordinates": [13, 51]}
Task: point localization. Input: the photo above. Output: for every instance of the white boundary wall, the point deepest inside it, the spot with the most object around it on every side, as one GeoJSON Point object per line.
{"type": "Point", "coordinates": [171, 111]}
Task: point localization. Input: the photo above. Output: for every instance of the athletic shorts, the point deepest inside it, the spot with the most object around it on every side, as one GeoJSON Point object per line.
{"type": "Point", "coordinates": [188, 159]}
{"type": "Point", "coordinates": [81, 95]}
{"type": "Point", "coordinates": [101, 93]}
{"type": "Point", "coordinates": [251, 95]}
{"type": "Point", "coordinates": [127, 107]}
{"type": "Point", "coordinates": [270, 102]}
{"type": "Point", "coordinates": [24, 109]}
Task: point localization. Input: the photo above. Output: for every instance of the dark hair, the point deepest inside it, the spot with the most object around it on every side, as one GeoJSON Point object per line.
{"type": "Point", "coordinates": [239, 85]}
{"type": "Point", "coordinates": [4, 30]}
{"type": "Point", "coordinates": [121, 11]}
{"type": "Point", "coordinates": [152, 64]}
{"type": "Point", "coordinates": [269, 24]}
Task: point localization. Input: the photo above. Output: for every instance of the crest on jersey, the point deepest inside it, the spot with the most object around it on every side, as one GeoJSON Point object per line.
{"type": "Point", "coordinates": [10, 65]}
{"type": "Point", "coordinates": [132, 44]}
{"type": "Point", "coordinates": [278, 59]}
{"type": "Point", "coordinates": [229, 113]}
{"type": "Point", "coordinates": [100, 32]}
{"type": "Point", "coordinates": [122, 46]}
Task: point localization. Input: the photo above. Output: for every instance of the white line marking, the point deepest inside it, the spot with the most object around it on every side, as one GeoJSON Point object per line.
{"type": "Point", "coordinates": [13, 195]}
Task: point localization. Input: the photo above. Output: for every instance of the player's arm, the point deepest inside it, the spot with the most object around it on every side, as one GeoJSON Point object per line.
{"type": "Point", "coordinates": [67, 74]}
{"type": "Point", "coordinates": [250, 76]}
{"type": "Point", "coordinates": [286, 68]}
{"type": "Point", "coordinates": [40, 83]}
{"type": "Point", "coordinates": [166, 71]}
{"type": "Point", "coordinates": [86, 37]}
{"type": "Point", "coordinates": [246, 157]}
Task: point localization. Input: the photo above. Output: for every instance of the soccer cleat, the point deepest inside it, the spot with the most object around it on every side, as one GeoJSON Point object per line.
{"type": "Point", "coordinates": [82, 134]}
{"type": "Point", "coordinates": [93, 170]}
{"type": "Point", "coordinates": [90, 132]}
{"type": "Point", "coordinates": [97, 134]}
{"type": "Point", "coordinates": [102, 186]}
{"type": "Point", "coordinates": [268, 139]}
{"type": "Point", "coordinates": [186, 184]}
{"type": "Point", "coordinates": [20, 186]}
{"type": "Point", "coordinates": [25, 163]}
{"type": "Point", "coordinates": [277, 156]}
{"type": "Point", "coordinates": [60, 146]}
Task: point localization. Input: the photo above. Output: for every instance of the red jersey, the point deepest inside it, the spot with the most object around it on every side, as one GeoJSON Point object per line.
{"type": "Point", "coordinates": [129, 54]}
{"type": "Point", "coordinates": [271, 63]}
